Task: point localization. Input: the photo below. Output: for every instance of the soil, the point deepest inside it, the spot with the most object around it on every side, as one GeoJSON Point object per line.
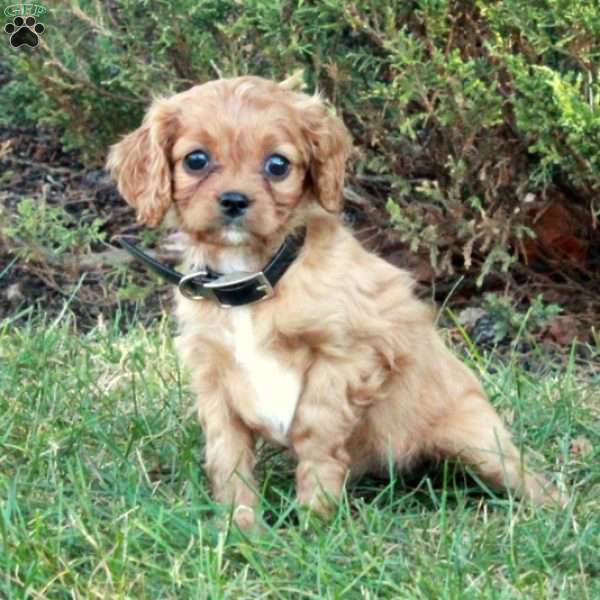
{"type": "Point", "coordinates": [34, 165]}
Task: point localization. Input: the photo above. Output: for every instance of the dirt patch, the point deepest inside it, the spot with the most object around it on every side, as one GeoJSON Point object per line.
{"type": "Point", "coordinates": [33, 165]}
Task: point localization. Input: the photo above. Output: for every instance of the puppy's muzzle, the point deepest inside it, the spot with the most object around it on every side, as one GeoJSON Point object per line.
{"type": "Point", "coordinates": [233, 206]}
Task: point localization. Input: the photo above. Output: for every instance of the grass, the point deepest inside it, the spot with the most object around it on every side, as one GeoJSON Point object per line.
{"type": "Point", "coordinates": [102, 494]}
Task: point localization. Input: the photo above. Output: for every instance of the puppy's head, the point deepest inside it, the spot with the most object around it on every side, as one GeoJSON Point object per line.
{"type": "Point", "coordinates": [240, 159]}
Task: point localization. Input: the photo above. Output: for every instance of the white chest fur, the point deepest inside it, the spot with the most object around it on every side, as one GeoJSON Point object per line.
{"type": "Point", "coordinates": [276, 388]}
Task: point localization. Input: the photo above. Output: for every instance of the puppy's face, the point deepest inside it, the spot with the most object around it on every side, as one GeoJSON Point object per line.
{"type": "Point", "coordinates": [239, 163]}
{"type": "Point", "coordinates": [239, 159]}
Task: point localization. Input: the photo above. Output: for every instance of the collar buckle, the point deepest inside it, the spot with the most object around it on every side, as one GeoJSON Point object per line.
{"type": "Point", "coordinates": [195, 287]}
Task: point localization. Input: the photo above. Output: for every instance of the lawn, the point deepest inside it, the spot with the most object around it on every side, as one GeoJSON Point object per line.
{"type": "Point", "coordinates": [102, 494]}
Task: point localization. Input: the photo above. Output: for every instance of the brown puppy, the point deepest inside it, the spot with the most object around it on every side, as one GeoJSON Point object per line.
{"type": "Point", "coordinates": [342, 364]}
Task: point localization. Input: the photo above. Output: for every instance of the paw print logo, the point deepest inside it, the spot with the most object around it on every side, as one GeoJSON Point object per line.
{"type": "Point", "coordinates": [24, 32]}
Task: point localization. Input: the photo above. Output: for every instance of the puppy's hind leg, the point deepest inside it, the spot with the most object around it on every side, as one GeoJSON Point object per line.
{"type": "Point", "coordinates": [474, 434]}
{"type": "Point", "coordinates": [323, 424]}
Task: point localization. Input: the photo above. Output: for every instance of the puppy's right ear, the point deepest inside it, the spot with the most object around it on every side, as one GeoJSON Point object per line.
{"type": "Point", "coordinates": [140, 163]}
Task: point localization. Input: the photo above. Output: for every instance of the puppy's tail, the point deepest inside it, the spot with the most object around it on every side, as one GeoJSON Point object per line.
{"type": "Point", "coordinates": [295, 82]}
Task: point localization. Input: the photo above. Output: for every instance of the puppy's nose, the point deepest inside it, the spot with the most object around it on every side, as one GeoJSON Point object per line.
{"type": "Point", "coordinates": [233, 204]}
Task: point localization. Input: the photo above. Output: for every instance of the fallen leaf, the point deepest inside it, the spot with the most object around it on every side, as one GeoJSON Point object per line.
{"type": "Point", "coordinates": [562, 330]}
{"type": "Point", "coordinates": [559, 233]}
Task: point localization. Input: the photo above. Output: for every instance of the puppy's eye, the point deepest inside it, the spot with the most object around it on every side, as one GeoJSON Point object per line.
{"type": "Point", "coordinates": [277, 166]}
{"type": "Point", "coordinates": [196, 160]}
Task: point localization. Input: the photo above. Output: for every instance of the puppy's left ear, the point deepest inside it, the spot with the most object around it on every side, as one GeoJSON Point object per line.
{"type": "Point", "coordinates": [140, 164]}
{"type": "Point", "coordinates": [330, 145]}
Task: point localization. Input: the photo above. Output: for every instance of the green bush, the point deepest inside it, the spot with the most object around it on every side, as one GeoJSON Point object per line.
{"type": "Point", "coordinates": [42, 233]}
{"type": "Point", "coordinates": [460, 111]}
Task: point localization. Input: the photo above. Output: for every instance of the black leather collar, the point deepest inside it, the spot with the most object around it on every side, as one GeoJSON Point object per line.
{"type": "Point", "coordinates": [229, 289]}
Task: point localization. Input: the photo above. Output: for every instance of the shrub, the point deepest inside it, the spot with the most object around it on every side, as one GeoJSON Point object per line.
{"type": "Point", "coordinates": [43, 233]}
{"type": "Point", "coordinates": [466, 116]}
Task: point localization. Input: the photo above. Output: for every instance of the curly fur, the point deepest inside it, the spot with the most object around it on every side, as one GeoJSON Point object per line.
{"type": "Point", "coordinates": [343, 364]}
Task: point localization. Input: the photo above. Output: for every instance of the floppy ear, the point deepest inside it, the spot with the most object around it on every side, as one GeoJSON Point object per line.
{"type": "Point", "coordinates": [330, 145]}
{"type": "Point", "coordinates": [140, 164]}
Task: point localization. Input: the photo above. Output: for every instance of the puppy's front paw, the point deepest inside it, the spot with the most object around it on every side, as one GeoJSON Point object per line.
{"type": "Point", "coordinates": [245, 517]}
{"type": "Point", "coordinates": [315, 506]}
{"type": "Point", "coordinates": [242, 519]}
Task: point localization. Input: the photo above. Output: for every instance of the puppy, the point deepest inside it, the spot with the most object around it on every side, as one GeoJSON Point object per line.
{"type": "Point", "coordinates": [339, 361]}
